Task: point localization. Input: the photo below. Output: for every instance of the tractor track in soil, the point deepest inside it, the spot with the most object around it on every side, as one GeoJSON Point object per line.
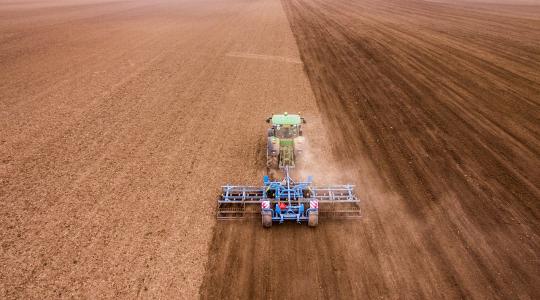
{"type": "Point", "coordinates": [119, 121]}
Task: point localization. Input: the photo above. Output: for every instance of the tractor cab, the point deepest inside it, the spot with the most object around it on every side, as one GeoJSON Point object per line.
{"type": "Point", "coordinates": [285, 126]}
{"type": "Point", "coordinates": [286, 131]}
{"type": "Point", "coordinates": [285, 140]}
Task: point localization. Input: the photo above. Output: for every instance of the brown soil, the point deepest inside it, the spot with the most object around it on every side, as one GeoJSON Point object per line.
{"type": "Point", "coordinates": [119, 122]}
{"type": "Point", "coordinates": [435, 108]}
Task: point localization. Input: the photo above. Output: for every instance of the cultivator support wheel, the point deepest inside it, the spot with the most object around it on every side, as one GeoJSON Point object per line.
{"type": "Point", "coordinates": [266, 218]}
{"type": "Point", "coordinates": [313, 219]}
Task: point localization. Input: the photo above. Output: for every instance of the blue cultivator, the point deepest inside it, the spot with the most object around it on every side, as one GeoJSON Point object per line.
{"type": "Point", "coordinates": [287, 200]}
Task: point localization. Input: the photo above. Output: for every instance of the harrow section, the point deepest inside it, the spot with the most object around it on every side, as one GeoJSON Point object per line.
{"type": "Point", "coordinates": [278, 201]}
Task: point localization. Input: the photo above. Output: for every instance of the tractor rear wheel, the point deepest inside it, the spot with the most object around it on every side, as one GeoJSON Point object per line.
{"type": "Point", "coordinates": [266, 219]}
{"type": "Point", "coordinates": [313, 218]}
{"type": "Point", "coordinates": [272, 162]}
{"type": "Point", "coordinates": [298, 160]}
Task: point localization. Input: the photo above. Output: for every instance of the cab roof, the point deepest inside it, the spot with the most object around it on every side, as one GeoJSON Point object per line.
{"type": "Point", "coordinates": [286, 119]}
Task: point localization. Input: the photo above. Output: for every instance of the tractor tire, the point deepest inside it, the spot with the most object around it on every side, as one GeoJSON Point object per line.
{"type": "Point", "coordinates": [298, 160]}
{"type": "Point", "coordinates": [272, 162]}
{"type": "Point", "coordinates": [266, 219]}
{"type": "Point", "coordinates": [273, 174]}
{"type": "Point", "coordinates": [313, 218]}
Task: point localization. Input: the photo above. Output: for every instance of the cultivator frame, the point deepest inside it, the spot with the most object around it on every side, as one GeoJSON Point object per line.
{"type": "Point", "coordinates": [279, 201]}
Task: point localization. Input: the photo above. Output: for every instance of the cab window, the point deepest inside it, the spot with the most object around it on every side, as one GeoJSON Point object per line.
{"type": "Point", "coordinates": [286, 131]}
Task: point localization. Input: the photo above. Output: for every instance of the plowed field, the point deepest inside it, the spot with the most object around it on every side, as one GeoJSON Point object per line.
{"type": "Point", "coordinates": [435, 108]}
{"type": "Point", "coordinates": [120, 120]}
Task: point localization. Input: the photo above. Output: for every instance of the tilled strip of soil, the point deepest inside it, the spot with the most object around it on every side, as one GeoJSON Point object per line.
{"type": "Point", "coordinates": [434, 109]}
{"type": "Point", "coordinates": [443, 100]}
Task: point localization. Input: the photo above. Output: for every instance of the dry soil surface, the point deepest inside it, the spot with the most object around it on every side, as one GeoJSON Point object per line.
{"type": "Point", "coordinates": [434, 108]}
{"type": "Point", "coordinates": [119, 122]}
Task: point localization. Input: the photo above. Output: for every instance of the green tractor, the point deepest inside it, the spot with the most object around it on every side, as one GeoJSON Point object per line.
{"type": "Point", "coordinates": [285, 141]}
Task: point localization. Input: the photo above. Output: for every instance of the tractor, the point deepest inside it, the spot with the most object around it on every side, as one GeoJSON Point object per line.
{"type": "Point", "coordinates": [285, 141]}
{"type": "Point", "coordinates": [285, 199]}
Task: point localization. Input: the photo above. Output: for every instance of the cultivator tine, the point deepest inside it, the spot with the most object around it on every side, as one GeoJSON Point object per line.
{"type": "Point", "coordinates": [337, 202]}
{"type": "Point", "coordinates": [239, 202]}
{"type": "Point", "coordinates": [228, 212]}
{"type": "Point", "coordinates": [340, 210]}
